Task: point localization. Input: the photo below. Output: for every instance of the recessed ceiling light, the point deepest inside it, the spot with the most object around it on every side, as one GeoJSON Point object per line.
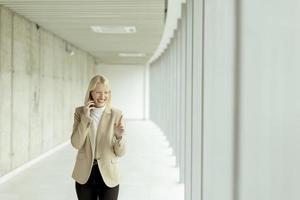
{"type": "Point", "coordinates": [113, 29]}
{"type": "Point", "coordinates": [130, 29]}
{"type": "Point", "coordinates": [69, 50]}
{"type": "Point", "coordinates": [132, 54]}
{"type": "Point", "coordinates": [96, 29]}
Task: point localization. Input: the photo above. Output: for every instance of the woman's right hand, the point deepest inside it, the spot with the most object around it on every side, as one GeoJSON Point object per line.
{"type": "Point", "coordinates": [87, 109]}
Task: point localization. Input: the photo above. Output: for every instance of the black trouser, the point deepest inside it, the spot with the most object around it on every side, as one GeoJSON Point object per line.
{"type": "Point", "coordinates": [95, 188]}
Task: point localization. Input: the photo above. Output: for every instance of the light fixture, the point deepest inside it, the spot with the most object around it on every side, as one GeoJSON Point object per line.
{"type": "Point", "coordinates": [69, 50]}
{"type": "Point", "coordinates": [132, 54]}
{"type": "Point", "coordinates": [130, 29]}
{"type": "Point", "coordinates": [113, 29]}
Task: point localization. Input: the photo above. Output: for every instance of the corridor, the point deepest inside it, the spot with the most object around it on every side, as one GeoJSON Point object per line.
{"type": "Point", "coordinates": [209, 90]}
{"type": "Point", "coordinates": [148, 171]}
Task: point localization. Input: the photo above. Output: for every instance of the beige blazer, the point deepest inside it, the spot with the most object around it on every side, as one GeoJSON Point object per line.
{"type": "Point", "coordinates": [107, 148]}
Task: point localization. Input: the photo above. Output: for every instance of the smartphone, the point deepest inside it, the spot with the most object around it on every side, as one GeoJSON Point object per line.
{"type": "Point", "coordinates": [91, 99]}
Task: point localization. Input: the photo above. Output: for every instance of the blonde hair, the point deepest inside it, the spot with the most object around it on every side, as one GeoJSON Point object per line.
{"type": "Point", "coordinates": [94, 81]}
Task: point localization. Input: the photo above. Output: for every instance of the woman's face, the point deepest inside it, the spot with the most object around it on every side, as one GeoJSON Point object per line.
{"type": "Point", "coordinates": [100, 95]}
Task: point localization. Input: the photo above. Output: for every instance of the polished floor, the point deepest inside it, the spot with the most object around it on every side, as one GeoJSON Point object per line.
{"type": "Point", "coordinates": [148, 171]}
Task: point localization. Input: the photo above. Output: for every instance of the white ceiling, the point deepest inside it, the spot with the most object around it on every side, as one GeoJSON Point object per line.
{"type": "Point", "coordinates": [71, 20]}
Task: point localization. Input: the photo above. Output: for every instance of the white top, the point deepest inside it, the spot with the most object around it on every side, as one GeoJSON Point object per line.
{"type": "Point", "coordinates": [96, 114]}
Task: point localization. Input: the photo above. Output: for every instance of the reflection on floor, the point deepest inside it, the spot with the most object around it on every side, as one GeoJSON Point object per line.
{"type": "Point", "coordinates": [148, 171]}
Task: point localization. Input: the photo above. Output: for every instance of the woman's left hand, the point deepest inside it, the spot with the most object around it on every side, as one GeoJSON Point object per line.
{"type": "Point", "coordinates": [119, 128]}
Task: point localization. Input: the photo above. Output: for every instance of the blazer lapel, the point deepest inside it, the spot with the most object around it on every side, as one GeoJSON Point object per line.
{"type": "Point", "coordinates": [103, 123]}
{"type": "Point", "coordinates": [92, 136]}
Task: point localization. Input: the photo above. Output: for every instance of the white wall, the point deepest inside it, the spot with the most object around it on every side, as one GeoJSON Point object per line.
{"type": "Point", "coordinates": [243, 142]}
{"type": "Point", "coordinates": [270, 109]}
{"type": "Point", "coordinates": [176, 97]}
{"type": "Point", "coordinates": [219, 97]}
{"type": "Point", "coordinates": [128, 88]}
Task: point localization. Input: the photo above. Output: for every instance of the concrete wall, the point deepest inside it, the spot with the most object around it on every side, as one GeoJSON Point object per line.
{"type": "Point", "coordinates": [40, 86]}
{"type": "Point", "coordinates": [128, 84]}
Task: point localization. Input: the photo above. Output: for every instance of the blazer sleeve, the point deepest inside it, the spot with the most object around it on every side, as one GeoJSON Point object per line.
{"type": "Point", "coordinates": [119, 145]}
{"type": "Point", "coordinates": [80, 129]}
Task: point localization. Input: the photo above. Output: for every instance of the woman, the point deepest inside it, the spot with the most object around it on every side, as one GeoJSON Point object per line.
{"type": "Point", "coordinates": [98, 134]}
